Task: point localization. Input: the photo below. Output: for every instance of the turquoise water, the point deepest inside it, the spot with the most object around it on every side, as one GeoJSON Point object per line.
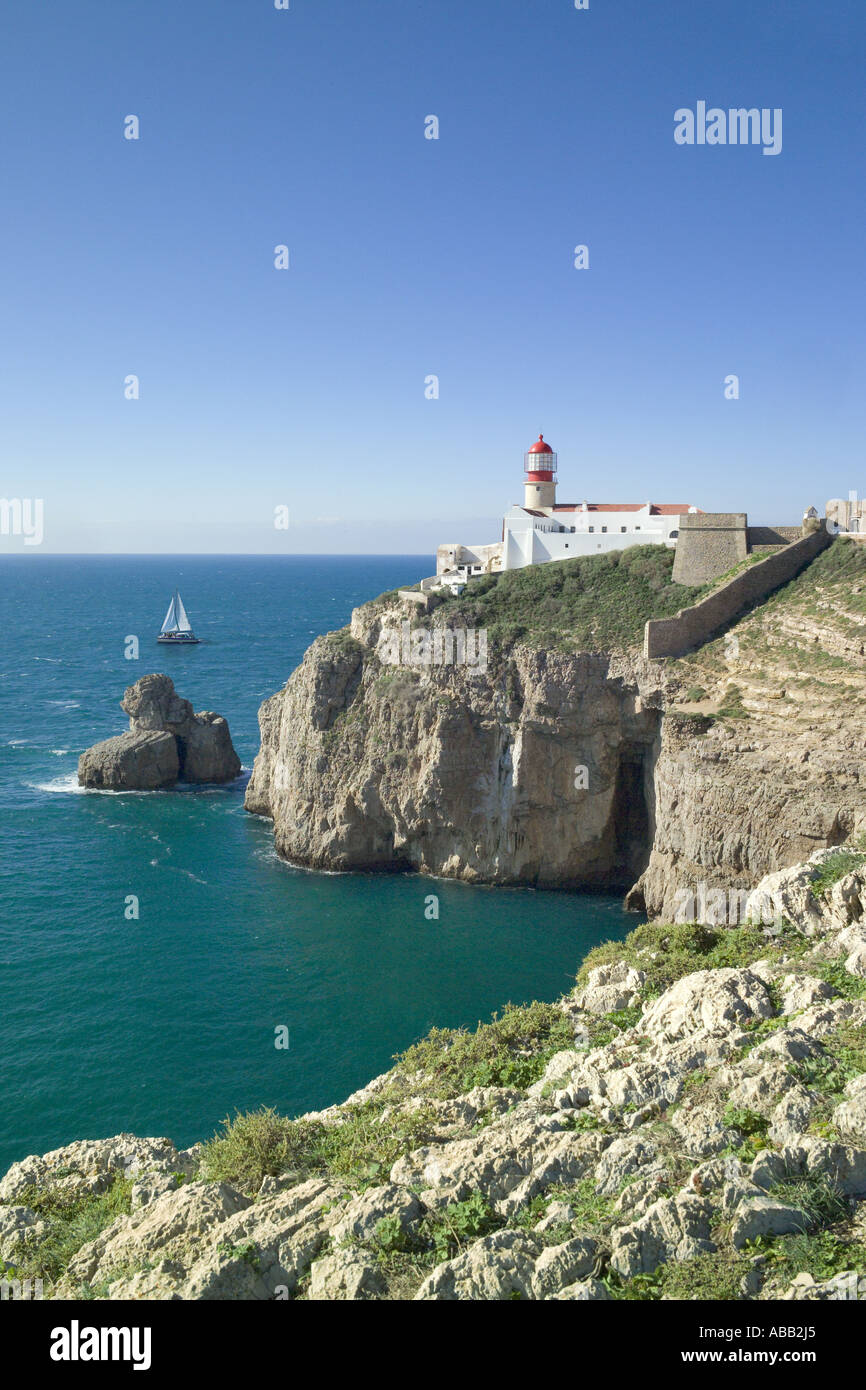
{"type": "Point", "coordinates": [166, 1024]}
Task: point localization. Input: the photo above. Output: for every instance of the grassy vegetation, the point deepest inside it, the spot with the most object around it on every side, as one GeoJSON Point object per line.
{"type": "Point", "coordinates": [342, 643]}
{"type": "Point", "coordinates": [830, 596]}
{"type": "Point", "coordinates": [590, 603]}
{"type": "Point", "coordinates": [357, 1153]}
{"type": "Point", "coordinates": [717, 1277]}
{"type": "Point", "coordinates": [834, 972]}
{"type": "Point", "coordinates": [70, 1221]}
{"type": "Point", "coordinates": [843, 1058]}
{"type": "Point", "coordinates": [253, 1146]}
{"type": "Point", "coordinates": [816, 1196]}
{"type": "Point", "coordinates": [458, 1224]}
{"type": "Point", "coordinates": [732, 706]}
{"type": "Point", "coordinates": [748, 1122]}
{"type": "Point", "coordinates": [667, 953]}
{"type": "Point", "coordinates": [405, 1259]}
{"type": "Point", "coordinates": [512, 1050]}
{"type": "Point", "coordinates": [822, 1254]}
{"type": "Point", "coordinates": [834, 868]}
{"type": "Point", "coordinates": [754, 558]}
{"type": "Point", "coordinates": [711, 1277]}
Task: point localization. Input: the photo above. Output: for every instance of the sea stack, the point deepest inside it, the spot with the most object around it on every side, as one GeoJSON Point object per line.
{"type": "Point", "coordinates": [167, 742]}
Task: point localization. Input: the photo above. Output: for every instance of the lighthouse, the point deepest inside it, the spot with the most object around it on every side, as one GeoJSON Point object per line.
{"type": "Point", "coordinates": [539, 465]}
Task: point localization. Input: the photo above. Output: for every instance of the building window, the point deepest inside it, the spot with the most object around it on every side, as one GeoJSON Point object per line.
{"type": "Point", "coordinates": [604, 528]}
{"type": "Point", "coordinates": [637, 528]}
{"type": "Point", "coordinates": [674, 534]}
{"type": "Point", "coordinates": [622, 528]}
{"type": "Point", "coordinates": [592, 528]}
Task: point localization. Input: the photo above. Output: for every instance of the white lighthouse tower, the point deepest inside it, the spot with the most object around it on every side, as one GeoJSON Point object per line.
{"type": "Point", "coordinates": [539, 465]}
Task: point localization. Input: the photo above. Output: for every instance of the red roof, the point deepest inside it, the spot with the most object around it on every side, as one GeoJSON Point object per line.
{"type": "Point", "coordinates": [539, 447]}
{"type": "Point", "coordinates": [656, 508]}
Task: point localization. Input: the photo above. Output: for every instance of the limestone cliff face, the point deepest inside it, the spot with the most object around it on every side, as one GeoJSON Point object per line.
{"type": "Point", "coordinates": [782, 772]}
{"type": "Point", "coordinates": [533, 772]}
{"type": "Point", "coordinates": [731, 807]}
{"type": "Point", "coordinates": [479, 775]}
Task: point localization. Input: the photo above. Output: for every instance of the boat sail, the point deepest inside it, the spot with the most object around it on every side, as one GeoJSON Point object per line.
{"type": "Point", "coordinates": [176, 627]}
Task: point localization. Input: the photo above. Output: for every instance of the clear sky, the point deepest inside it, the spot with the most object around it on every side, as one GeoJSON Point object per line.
{"type": "Point", "coordinates": [411, 257]}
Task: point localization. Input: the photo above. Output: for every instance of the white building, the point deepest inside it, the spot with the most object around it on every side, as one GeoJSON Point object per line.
{"type": "Point", "coordinates": [544, 529]}
{"type": "Point", "coordinates": [847, 518]}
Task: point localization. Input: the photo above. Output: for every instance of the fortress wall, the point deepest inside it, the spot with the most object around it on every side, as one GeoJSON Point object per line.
{"type": "Point", "coordinates": [709, 544]}
{"type": "Point", "coordinates": [760, 537]}
{"type": "Point", "coordinates": [693, 626]}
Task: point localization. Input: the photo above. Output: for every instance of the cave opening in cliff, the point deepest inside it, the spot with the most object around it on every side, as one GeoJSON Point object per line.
{"type": "Point", "coordinates": [632, 814]}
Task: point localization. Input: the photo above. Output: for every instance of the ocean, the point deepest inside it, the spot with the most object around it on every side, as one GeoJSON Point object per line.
{"type": "Point", "coordinates": [166, 1024]}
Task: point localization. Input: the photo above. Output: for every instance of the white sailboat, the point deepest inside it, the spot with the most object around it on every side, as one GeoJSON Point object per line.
{"type": "Point", "coordinates": [176, 628]}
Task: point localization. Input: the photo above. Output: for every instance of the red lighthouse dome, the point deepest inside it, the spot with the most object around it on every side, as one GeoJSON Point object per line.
{"type": "Point", "coordinates": [539, 462]}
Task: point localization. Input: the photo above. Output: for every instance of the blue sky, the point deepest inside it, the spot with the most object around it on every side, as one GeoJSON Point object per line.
{"type": "Point", "coordinates": [412, 257]}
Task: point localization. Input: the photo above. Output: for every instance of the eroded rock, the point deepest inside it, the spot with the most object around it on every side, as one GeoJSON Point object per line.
{"type": "Point", "coordinates": [167, 742]}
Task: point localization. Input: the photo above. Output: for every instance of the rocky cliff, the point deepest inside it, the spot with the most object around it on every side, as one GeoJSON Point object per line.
{"type": "Point", "coordinates": [539, 771]}
{"type": "Point", "coordinates": [167, 742]}
{"type": "Point", "coordinates": [689, 1123]}
{"type": "Point", "coordinates": [561, 767]}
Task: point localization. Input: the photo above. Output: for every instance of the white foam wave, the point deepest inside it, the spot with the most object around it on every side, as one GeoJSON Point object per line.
{"type": "Point", "coordinates": [68, 782]}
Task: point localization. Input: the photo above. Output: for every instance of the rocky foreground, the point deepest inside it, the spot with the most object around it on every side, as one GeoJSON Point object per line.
{"type": "Point", "coordinates": [167, 742]}
{"type": "Point", "coordinates": [690, 1122]}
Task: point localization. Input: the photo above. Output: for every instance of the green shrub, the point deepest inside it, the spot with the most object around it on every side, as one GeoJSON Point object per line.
{"type": "Point", "coordinates": [709, 1278]}
{"type": "Point", "coordinates": [70, 1222]}
{"type": "Point", "coordinates": [389, 1235]}
{"type": "Point", "coordinates": [666, 953]}
{"type": "Point", "coordinates": [816, 1196]}
{"type": "Point", "coordinates": [822, 1254]}
{"type": "Point", "coordinates": [460, 1223]}
{"type": "Point", "coordinates": [842, 1059]}
{"type": "Point", "coordinates": [732, 706]}
{"type": "Point", "coordinates": [253, 1146]}
{"type": "Point", "coordinates": [512, 1050]}
{"type": "Point", "coordinates": [834, 868]}
{"type": "Point", "coordinates": [834, 972]}
{"type": "Point", "coordinates": [748, 1122]}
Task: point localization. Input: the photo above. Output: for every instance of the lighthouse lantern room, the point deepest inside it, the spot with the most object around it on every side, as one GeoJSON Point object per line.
{"type": "Point", "coordinates": [539, 466]}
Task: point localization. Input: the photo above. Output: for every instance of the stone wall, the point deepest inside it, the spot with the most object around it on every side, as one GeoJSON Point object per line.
{"type": "Point", "coordinates": [762, 537]}
{"type": "Point", "coordinates": [693, 626]}
{"type": "Point", "coordinates": [709, 544]}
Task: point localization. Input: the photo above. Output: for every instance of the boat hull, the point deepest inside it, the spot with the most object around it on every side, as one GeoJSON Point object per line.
{"type": "Point", "coordinates": [180, 641]}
